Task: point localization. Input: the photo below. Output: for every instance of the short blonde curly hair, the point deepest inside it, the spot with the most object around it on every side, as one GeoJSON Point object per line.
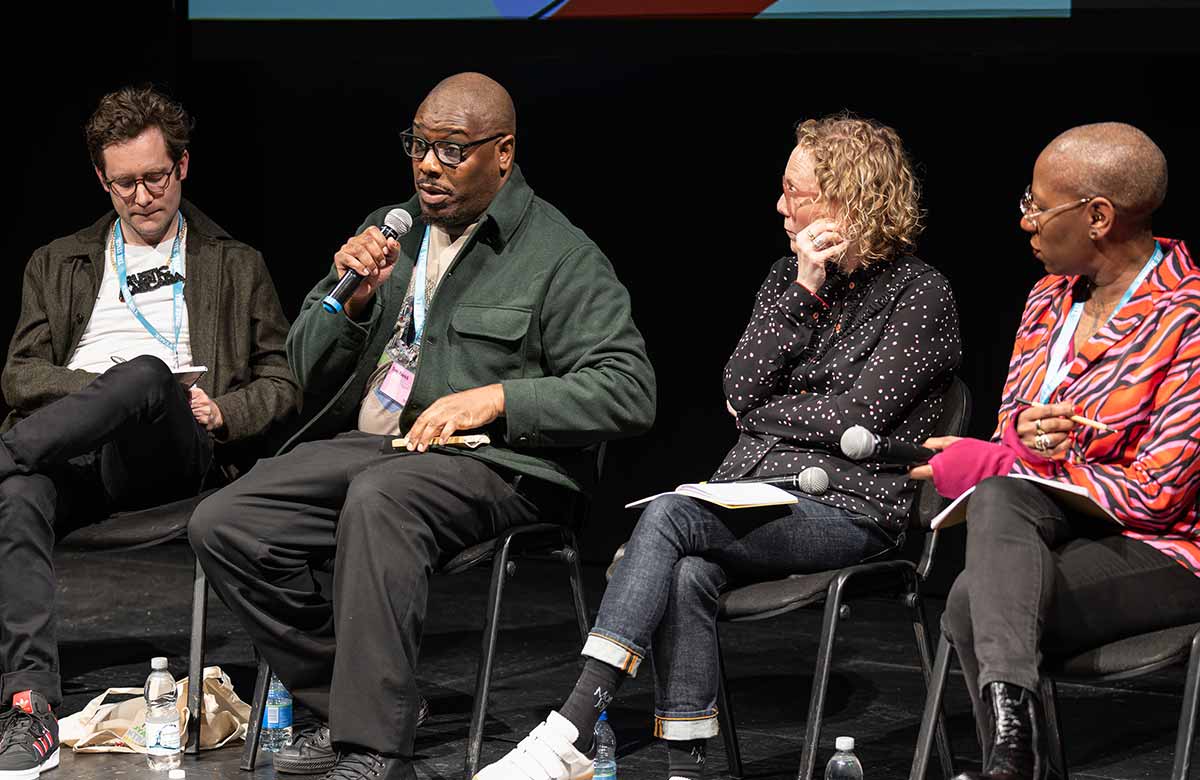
{"type": "Point", "coordinates": [867, 177]}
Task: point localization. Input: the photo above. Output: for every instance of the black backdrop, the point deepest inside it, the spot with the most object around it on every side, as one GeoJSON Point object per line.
{"type": "Point", "coordinates": [664, 140]}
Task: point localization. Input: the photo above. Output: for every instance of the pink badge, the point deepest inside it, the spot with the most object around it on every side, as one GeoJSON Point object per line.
{"type": "Point", "coordinates": [397, 385]}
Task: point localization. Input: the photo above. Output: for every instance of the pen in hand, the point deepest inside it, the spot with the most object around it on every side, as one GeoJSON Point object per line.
{"type": "Point", "coordinates": [1076, 418]}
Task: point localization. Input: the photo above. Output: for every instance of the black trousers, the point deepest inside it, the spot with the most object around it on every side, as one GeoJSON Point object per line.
{"type": "Point", "coordinates": [1041, 579]}
{"type": "Point", "coordinates": [126, 441]}
{"type": "Point", "coordinates": [386, 519]}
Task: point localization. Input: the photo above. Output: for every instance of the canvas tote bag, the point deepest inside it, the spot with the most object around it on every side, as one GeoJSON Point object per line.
{"type": "Point", "coordinates": [109, 726]}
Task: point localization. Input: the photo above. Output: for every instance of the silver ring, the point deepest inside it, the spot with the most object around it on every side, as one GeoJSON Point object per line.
{"type": "Point", "coordinates": [1037, 426]}
{"type": "Point", "coordinates": [1041, 442]}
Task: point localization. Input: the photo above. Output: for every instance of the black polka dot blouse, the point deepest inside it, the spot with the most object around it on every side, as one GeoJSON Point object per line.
{"type": "Point", "coordinates": [875, 348]}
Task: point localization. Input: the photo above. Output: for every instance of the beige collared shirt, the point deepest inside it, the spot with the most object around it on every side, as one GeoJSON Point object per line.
{"type": "Point", "coordinates": [373, 415]}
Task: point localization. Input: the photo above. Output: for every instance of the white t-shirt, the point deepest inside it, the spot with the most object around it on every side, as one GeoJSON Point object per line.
{"type": "Point", "coordinates": [113, 331]}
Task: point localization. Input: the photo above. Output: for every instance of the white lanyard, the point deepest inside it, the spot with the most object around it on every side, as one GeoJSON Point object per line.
{"type": "Point", "coordinates": [419, 287]}
{"type": "Point", "coordinates": [1057, 367]}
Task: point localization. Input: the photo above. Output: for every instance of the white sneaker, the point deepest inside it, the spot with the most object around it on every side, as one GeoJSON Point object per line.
{"type": "Point", "coordinates": [548, 753]}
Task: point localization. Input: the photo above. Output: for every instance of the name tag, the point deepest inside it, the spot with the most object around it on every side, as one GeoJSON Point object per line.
{"type": "Point", "coordinates": [396, 388]}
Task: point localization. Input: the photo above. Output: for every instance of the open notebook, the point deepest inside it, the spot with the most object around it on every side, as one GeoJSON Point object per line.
{"type": "Point", "coordinates": [1073, 496]}
{"type": "Point", "coordinates": [731, 495]}
{"type": "Point", "coordinates": [189, 375]}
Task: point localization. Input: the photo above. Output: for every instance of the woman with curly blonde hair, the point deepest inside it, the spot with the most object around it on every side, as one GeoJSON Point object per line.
{"type": "Point", "coordinates": [848, 330]}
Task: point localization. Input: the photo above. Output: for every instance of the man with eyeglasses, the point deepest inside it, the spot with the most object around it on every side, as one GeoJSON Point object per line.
{"type": "Point", "coordinates": [496, 319]}
{"type": "Point", "coordinates": [1111, 334]}
{"type": "Point", "coordinates": [106, 412]}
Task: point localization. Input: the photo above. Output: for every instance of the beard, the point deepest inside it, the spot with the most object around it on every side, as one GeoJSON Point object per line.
{"type": "Point", "coordinates": [449, 220]}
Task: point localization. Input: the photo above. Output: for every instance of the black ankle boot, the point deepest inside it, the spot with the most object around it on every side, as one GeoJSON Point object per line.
{"type": "Point", "coordinates": [1016, 747]}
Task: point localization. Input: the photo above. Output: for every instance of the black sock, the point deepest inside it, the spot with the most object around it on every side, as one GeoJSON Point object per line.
{"type": "Point", "coordinates": [685, 758]}
{"type": "Point", "coordinates": [595, 689]}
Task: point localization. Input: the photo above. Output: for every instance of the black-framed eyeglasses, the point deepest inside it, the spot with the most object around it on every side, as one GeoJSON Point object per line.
{"type": "Point", "coordinates": [155, 182]}
{"type": "Point", "coordinates": [448, 152]}
{"type": "Point", "coordinates": [1033, 215]}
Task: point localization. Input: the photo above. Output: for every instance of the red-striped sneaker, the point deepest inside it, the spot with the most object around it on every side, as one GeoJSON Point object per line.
{"type": "Point", "coordinates": [28, 737]}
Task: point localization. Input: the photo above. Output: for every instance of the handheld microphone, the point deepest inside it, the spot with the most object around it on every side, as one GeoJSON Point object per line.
{"type": "Point", "coordinates": [395, 224]}
{"type": "Point", "coordinates": [860, 444]}
{"type": "Point", "coordinates": [812, 480]}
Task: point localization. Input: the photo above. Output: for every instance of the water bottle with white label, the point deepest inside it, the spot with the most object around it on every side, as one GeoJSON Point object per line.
{"type": "Point", "coordinates": [163, 746]}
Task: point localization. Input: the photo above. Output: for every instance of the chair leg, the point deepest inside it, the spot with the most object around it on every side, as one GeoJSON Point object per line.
{"type": "Point", "coordinates": [483, 676]}
{"type": "Point", "coordinates": [575, 570]}
{"type": "Point", "coordinates": [262, 687]}
{"type": "Point", "coordinates": [924, 651]}
{"type": "Point", "coordinates": [1187, 716]}
{"type": "Point", "coordinates": [816, 703]}
{"type": "Point", "coordinates": [726, 720]}
{"type": "Point", "coordinates": [195, 700]}
{"type": "Point", "coordinates": [1056, 751]}
{"type": "Point", "coordinates": [933, 710]}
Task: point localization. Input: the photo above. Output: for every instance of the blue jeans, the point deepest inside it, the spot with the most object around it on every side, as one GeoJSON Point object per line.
{"type": "Point", "coordinates": [664, 592]}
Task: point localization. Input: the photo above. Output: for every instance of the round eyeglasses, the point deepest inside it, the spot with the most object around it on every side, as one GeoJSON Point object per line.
{"type": "Point", "coordinates": [1034, 215]}
{"type": "Point", "coordinates": [155, 182]}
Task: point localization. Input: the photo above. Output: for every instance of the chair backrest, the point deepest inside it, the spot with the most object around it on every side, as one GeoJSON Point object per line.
{"type": "Point", "coordinates": [956, 415]}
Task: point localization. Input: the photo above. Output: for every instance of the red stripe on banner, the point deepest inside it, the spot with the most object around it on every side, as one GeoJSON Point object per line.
{"type": "Point", "coordinates": [594, 8]}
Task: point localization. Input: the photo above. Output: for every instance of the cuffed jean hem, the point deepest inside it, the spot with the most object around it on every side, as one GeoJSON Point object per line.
{"type": "Point", "coordinates": [683, 726]}
{"type": "Point", "coordinates": [1024, 680]}
{"type": "Point", "coordinates": [613, 651]}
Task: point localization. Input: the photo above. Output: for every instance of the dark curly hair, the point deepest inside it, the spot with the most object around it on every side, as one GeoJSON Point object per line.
{"type": "Point", "coordinates": [125, 114]}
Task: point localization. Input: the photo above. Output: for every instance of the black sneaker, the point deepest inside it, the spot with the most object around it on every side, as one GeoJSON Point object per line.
{"type": "Point", "coordinates": [28, 737]}
{"type": "Point", "coordinates": [368, 765]}
{"type": "Point", "coordinates": [311, 753]}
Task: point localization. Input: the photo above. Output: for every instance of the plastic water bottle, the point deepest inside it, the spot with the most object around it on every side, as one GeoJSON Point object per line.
{"type": "Point", "coordinates": [163, 747]}
{"type": "Point", "coordinates": [605, 766]}
{"type": "Point", "coordinates": [277, 718]}
{"type": "Point", "coordinates": [844, 765]}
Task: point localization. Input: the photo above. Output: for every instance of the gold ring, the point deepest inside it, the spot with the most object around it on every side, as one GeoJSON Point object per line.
{"type": "Point", "coordinates": [1037, 426]}
{"type": "Point", "coordinates": [810, 235]}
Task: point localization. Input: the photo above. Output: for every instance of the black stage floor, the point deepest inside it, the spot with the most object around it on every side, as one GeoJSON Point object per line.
{"type": "Point", "coordinates": [119, 609]}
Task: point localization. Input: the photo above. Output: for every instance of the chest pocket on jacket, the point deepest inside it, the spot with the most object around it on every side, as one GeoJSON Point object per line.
{"type": "Point", "coordinates": [488, 345]}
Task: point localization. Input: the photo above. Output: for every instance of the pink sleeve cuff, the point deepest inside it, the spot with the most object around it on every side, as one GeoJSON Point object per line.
{"type": "Point", "coordinates": [966, 463]}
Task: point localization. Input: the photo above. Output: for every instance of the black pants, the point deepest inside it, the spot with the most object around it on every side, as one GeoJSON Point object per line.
{"type": "Point", "coordinates": [126, 441]}
{"type": "Point", "coordinates": [1041, 579]}
{"type": "Point", "coordinates": [386, 519]}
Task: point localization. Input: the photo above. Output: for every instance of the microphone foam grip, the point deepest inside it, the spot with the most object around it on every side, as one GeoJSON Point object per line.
{"type": "Point", "coordinates": [813, 480]}
{"type": "Point", "coordinates": [858, 443]}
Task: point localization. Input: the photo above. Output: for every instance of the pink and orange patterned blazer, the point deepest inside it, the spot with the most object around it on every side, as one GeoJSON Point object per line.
{"type": "Point", "coordinates": [1140, 374]}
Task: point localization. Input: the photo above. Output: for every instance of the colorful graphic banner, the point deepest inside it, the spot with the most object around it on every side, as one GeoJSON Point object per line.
{"type": "Point", "coordinates": [596, 9]}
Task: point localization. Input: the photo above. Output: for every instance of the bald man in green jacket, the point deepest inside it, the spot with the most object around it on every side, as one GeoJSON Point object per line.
{"type": "Point", "coordinates": [494, 318]}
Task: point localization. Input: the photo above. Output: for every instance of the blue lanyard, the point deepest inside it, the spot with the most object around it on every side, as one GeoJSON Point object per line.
{"type": "Point", "coordinates": [1057, 367]}
{"type": "Point", "coordinates": [176, 289]}
{"type": "Point", "coordinates": [419, 287]}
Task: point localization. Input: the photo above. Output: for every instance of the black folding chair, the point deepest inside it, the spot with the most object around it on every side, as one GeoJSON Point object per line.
{"type": "Point", "coordinates": [1123, 659]}
{"type": "Point", "coordinates": [763, 600]}
{"type": "Point", "coordinates": [539, 540]}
